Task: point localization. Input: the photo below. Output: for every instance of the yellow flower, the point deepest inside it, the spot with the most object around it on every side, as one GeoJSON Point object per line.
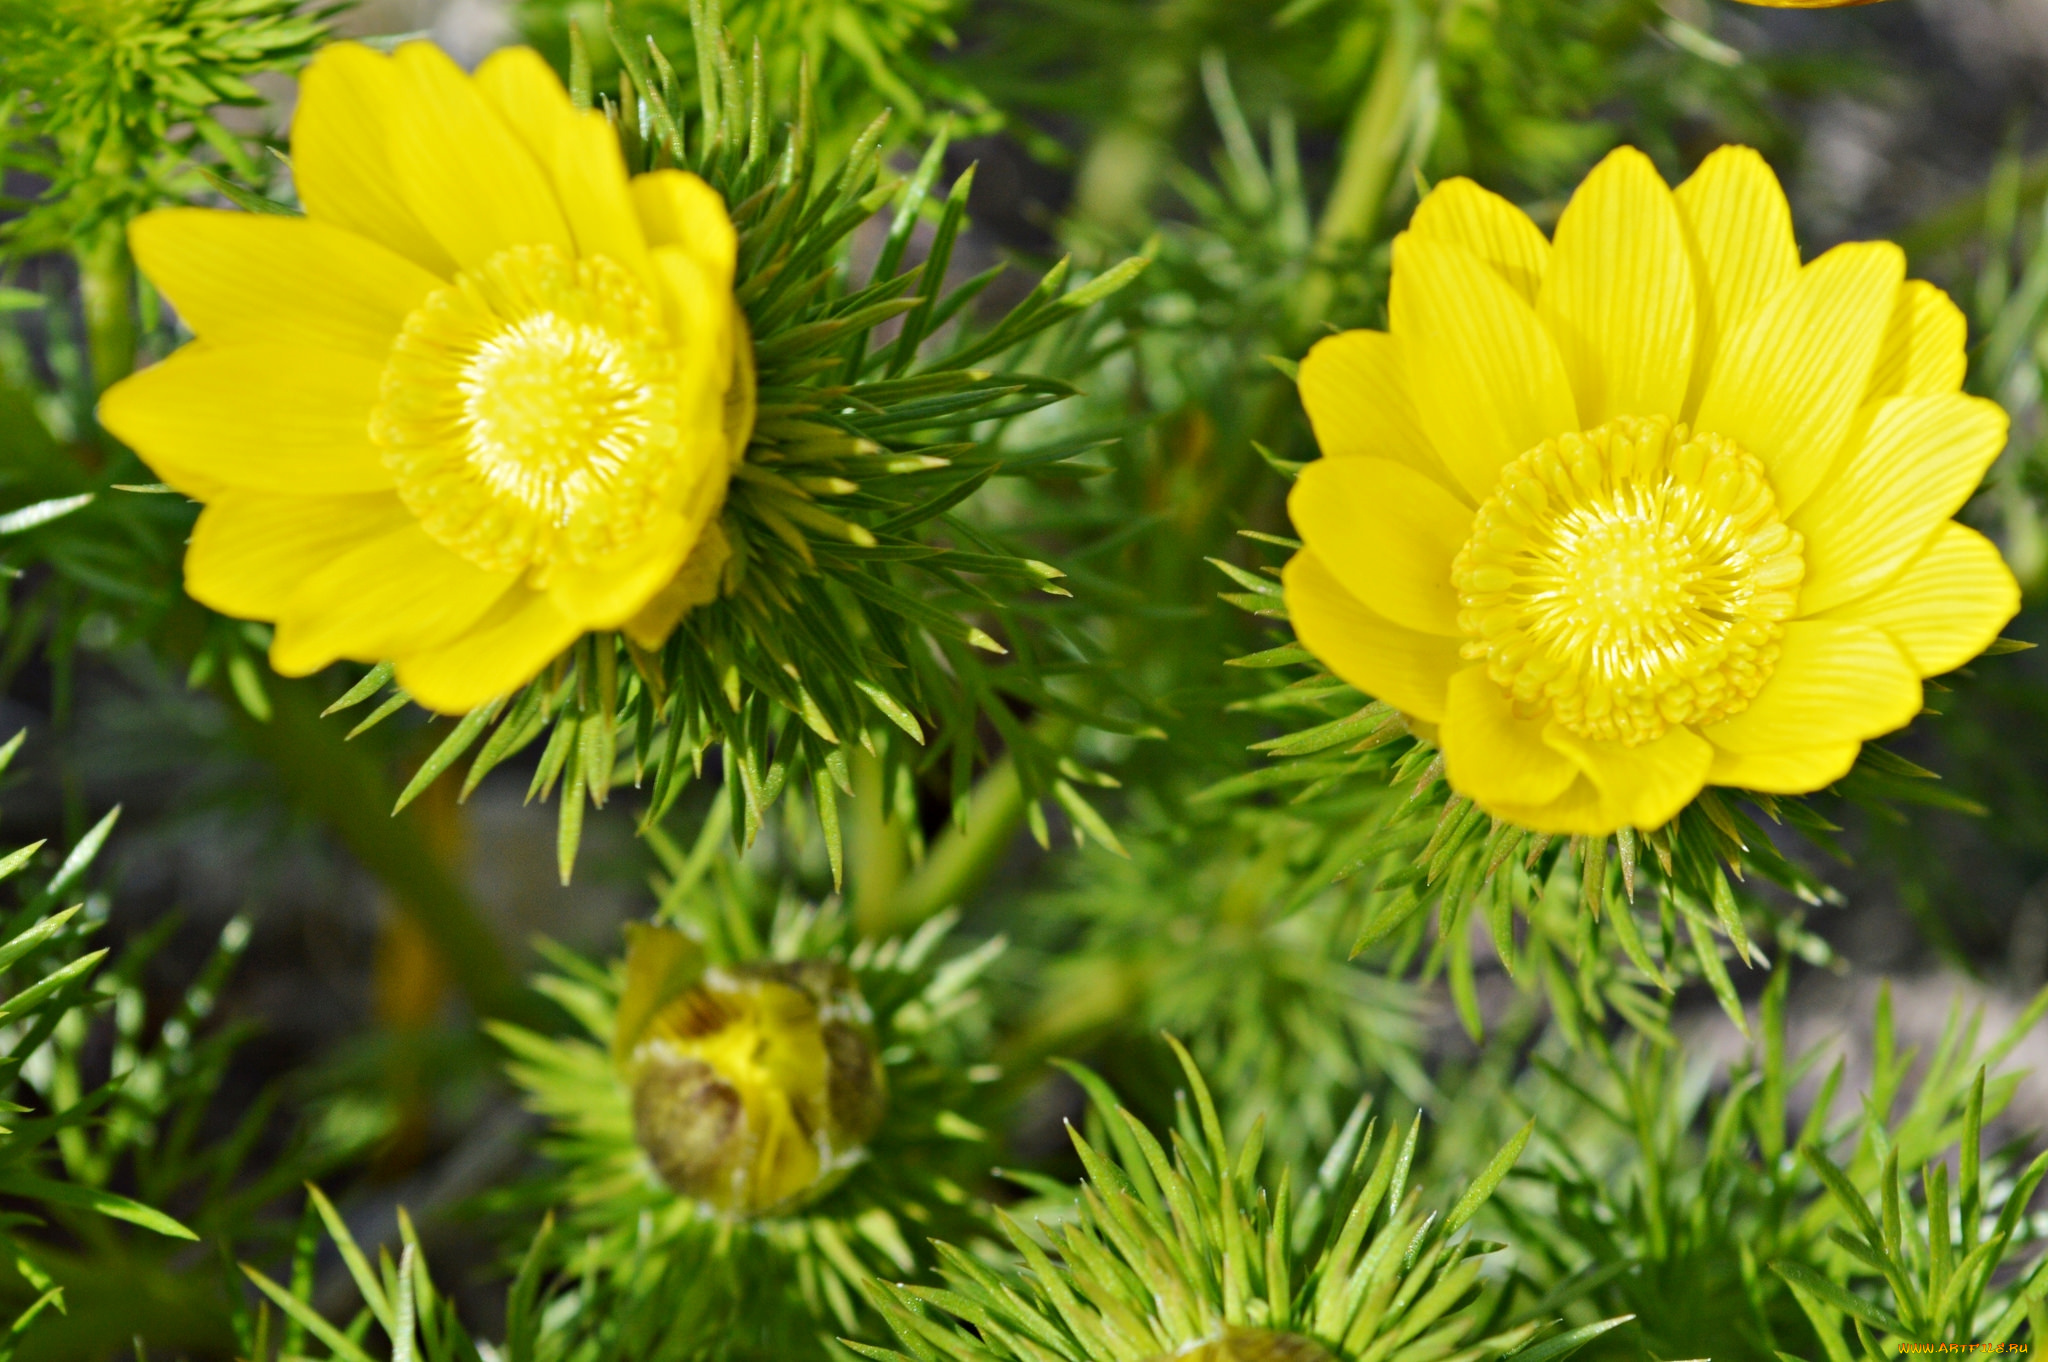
{"type": "Point", "coordinates": [1648, 507]}
{"type": "Point", "coordinates": [485, 396]}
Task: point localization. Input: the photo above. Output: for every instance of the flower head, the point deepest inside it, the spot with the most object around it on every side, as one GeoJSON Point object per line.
{"type": "Point", "coordinates": [1648, 507]}
{"type": "Point", "coordinates": [754, 1086]}
{"type": "Point", "coordinates": [485, 396]}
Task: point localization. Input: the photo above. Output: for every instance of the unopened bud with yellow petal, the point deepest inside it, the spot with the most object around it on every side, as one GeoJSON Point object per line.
{"type": "Point", "coordinates": [754, 1087]}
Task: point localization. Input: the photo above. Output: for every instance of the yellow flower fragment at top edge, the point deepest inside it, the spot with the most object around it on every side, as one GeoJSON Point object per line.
{"type": "Point", "coordinates": [1649, 507]}
{"type": "Point", "coordinates": [483, 397]}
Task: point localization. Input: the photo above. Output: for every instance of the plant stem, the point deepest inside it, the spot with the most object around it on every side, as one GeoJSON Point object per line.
{"type": "Point", "coordinates": [961, 859]}
{"type": "Point", "coordinates": [964, 857]}
{"type": "Point", "coordinates": [1374, 144]}
{"type": "Point", "coordinates": [877, 852]}
{"type": "Point", "coordinates": [106, 287]}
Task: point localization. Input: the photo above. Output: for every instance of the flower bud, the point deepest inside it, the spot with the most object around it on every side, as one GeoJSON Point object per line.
{"type": "Point", "coordinates": [1255, 1345]}
{"type": "Point", "coordinates": [754, 1087]}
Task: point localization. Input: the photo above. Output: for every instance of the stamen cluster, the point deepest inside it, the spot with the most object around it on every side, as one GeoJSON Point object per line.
{"type": "Point", "coordinates": [528, 410]}
{"type": "Point", "coordinates": [1629, 578]}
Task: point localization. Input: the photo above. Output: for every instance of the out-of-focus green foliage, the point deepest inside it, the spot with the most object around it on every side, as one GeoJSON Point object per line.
{"type": "Point", "coordinates": [857, 54]}
{"type": "Point", "coordinates": [111, 100]}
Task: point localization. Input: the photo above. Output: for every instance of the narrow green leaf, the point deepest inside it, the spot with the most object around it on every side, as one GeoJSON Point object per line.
{"type": "Point", "coordinates": [1482, 1187]}
{"type": "Point", "coordinates": [17, 1183]}
{"type": "Point", "coordinates": [374, 681]}
{"type": "Point", "coordinates": [42, 931]}
{"type": "Point", "coordinates": [306, 1317]}
{"type": "Point", "coordinates": [26, 1001]}
{"type": "Point", "coordinates": [1086, 818]}
{"type": "Point", "coordinates": [1565, 1344]}
{"type": "Point", "coordinates": [1822, 1288]}
{"type": "Point", "coordinates": [451, 748]}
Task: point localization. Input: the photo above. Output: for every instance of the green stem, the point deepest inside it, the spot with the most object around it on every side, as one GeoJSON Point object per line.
{"type": "Point", "coordinates": [962, 859]}
{"type": "Point", "coordinates": [877, 852]}
{"type": "Point", "coordinates": [964, 856]}
{"type": "Point", "coordinates": [1374, 144]}
{"type": "Point", "coordinates": [1083, 998]}
{"type": "Point", "coordinates": [106, 286]}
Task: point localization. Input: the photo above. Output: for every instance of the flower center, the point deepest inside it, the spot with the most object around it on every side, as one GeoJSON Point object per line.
{"type": "Point", "coordinates": [1628, 578]}
{"type": "Point", "coordinates": [528, 411]}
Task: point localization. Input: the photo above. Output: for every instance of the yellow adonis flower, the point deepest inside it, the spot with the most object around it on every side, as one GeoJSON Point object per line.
{"type": "Point", "coordinates": [485, 396]}
{"type": "Point", "coordinates": [1649, 507]}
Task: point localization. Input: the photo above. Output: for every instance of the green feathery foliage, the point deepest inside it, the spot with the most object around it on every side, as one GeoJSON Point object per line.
{"type": "Point", "coordinates": [58, 1145]}
{"type": "Point", "coordinates": [113, 102]}
{"type": "Point", "coordinates": [1716, 1207]}
{"type": "Point", "coordinates": [858, 607]}
{"type": "Point", "coordinates": [1187, 1255]}
{"type": "Point", "coordinates": [111, 1101]}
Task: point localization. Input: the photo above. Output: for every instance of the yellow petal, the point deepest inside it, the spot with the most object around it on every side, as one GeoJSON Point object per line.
{"type": "Point", "coordinates": [1788, 383]}
{"type": "Point", "coordinates": [1388, 534]}
{"type": "Point", "coordinates": [678, 209]}
{"type": "Point", "coordinates": [579, 153]}
{"type": "Point", "coordinates": [272, 417]}
{"type": "Point", "coordinates": [605, 595]}
{"type": "Point", "coordinates": [1356, 395]}
{"type": "Point", "coordinates": [1923, 345]}
{"type": "Point", "coordinates": [502, 651]}
{"type": "Point", "coordinates": [697, 583]}
{"type": "Point", "coordinates": [341, 153]}
{"type": "Point", "coordinates": [1918, 463]}
{"type": "Point", "coordinates": [262, 278]}
{"type": "Point", "coordinates": [1484, 375]}
{"type": "Point", "coordinates": [1791, 770]}
{"type": "Point", "coordinates": [1460, 213]}
{"type": "Point", "coordinates": [384, 597]}
{"type": "Point", "coordinates": [461, 170]}
{"type": "Point", "coordinates": [1835, 682]}
{"type": "Point", "coordinates": [1947, 605]}
{"type": "Point", "coordinates": [1740, 229]}
{"type": "Point", "coordinates": [1491, 756]}
{"type": "Point", "coordinates": [250, 550]}
{"type": "Point", "coordinates": [1578, 812]}
{"type": "Point", "coordinates": [1643, 786]}
{"type": "Point", "coordinates": [701, 314]}
{"type": "Point", "coordinates": [1409, 670]}
{"type": "Point", "coordinates": [1619, 295]}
